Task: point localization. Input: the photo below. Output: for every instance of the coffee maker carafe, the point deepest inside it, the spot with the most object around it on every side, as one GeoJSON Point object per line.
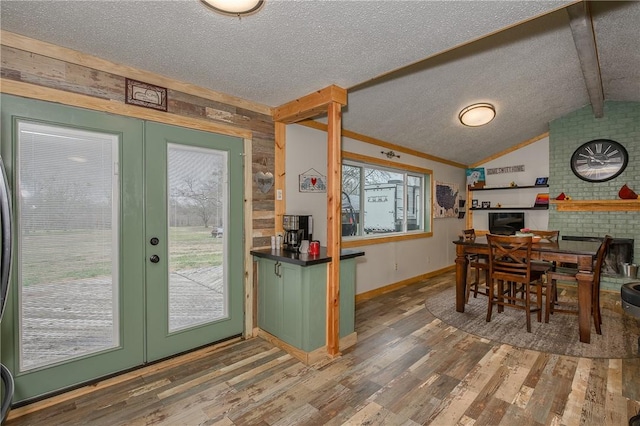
{"type": "Point", "coordinates": [296, 229]}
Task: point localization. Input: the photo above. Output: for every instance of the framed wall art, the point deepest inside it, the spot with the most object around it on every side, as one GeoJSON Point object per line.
{"type": "Point", "coordinates": [313, 181]}
{"type": "Point", "coordinates": [145, 95]}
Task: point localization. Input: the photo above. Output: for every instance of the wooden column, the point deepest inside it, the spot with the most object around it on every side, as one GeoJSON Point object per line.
{"type": "Point", "coordinates": [280, 173]}
{"type": "Point", "coordinates": [334, 234]}
{"type": "Point", "coordinates": [330, 101]}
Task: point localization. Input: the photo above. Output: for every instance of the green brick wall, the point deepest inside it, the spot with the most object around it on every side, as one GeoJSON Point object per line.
{"type": "Point", "coordinates": [621, 122]}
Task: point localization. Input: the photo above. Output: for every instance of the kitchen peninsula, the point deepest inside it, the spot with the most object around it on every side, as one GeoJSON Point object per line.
{"type": "Point", "coordinates": [292, 300]}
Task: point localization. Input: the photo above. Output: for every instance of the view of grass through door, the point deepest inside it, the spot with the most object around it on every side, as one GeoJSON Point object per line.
{"type": "Point", "coordinates": [125, 253]}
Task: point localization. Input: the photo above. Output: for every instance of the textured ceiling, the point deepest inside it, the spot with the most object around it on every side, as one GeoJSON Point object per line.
{"type": "Point", "coordinates": [409, 66]}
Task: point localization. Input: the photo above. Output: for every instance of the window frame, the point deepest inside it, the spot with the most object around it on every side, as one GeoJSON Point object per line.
{"type": "Point", "coordinates": [360, 160]}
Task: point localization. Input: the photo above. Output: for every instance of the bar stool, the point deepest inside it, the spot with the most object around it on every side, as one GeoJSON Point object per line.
{"type": "Point", "coordinates": [477, 262]}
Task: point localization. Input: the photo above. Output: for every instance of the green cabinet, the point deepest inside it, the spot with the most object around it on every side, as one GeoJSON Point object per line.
{"type": "Point", "coordinates": [292, 301]}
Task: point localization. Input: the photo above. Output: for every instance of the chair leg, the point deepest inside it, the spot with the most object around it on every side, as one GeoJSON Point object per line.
{"type": "Point", "coordinates": [527, 308]}
{"type": "Point", "coordinates": [597, 318]}
{"type": "Point", "coordinates": [539, 300]}
{"type": "Point", "coordinates": [476, 283]}
{"type": "Point", "coordinates": [550, 291]}
{"type": "Point", "coordinates": [490, 301]}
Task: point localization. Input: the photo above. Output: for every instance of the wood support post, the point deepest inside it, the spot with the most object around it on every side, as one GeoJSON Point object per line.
{"type": "Point", "coordinates": [280, 173]}
{"type": "Point", "coordinates": [334, 206]}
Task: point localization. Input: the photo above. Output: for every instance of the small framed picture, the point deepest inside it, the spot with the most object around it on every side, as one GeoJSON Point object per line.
{"type": "Point", "coordinates": [145, 95]}
{"type": "Point", "coordinates": [474, 204]}
{"type": "Point", "coordinates": [486, 204]}
{"type": "Point", "coordinates": [542, 180]}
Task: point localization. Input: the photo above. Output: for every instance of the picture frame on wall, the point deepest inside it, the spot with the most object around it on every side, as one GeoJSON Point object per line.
{"type": "Point", "coordinates": [475, 178]}
{"type": "Point", "coordinates": [145, 95]}
{"type": "Point", "coordinates": [312, 181]}
{"type": "Point", "coordinates": [486, 204]}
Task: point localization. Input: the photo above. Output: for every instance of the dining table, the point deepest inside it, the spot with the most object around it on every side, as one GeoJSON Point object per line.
{"type": "Point", "coordinates": [581, 253]}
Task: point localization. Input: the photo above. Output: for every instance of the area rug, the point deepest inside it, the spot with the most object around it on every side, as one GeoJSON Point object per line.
{"type": "Point", "coordinates": [619, 337]}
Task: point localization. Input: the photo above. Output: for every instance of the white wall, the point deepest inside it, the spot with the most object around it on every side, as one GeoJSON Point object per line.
{"type": "Point", "coordinates": [307, 148]}
{"type": "Point", "coordinates": [535, 158]}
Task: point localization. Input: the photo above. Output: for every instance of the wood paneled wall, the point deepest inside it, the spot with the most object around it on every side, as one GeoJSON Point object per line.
{"type": "Point", "coordinates": [44, 65]}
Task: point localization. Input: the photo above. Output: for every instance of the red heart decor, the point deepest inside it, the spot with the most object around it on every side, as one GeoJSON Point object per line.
{"type": "Point", "coordinates": [627, 193]}
{"type": "Point", "coordinates": [313, 181]}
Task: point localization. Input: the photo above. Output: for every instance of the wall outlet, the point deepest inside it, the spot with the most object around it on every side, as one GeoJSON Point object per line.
{"type": "Point", "coordinates": [279, 194]}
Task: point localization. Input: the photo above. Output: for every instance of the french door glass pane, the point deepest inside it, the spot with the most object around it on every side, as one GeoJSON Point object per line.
{"type": "Point", "coordinates": [197, 197]}
{"type": "Point", "coordinates": [67, 245]}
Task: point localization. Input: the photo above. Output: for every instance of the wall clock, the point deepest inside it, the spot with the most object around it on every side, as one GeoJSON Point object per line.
{"type": "Point", "coordinates": [599, 160]}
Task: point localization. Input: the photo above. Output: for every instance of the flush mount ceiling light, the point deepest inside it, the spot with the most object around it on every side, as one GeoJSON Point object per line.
{"type": "Point", "coordinates": [477, 114]}
{"type": "Point", "coordinates": [234, 7]}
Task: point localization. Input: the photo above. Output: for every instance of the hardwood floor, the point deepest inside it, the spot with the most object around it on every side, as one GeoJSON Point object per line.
{"type": "Point", "coordinates": [407, 368]}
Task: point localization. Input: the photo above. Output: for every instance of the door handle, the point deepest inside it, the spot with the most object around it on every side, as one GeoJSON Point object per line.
{"type": "Point", "coordinates": [154, 258]}
{"type": "Point", "coordinates": [276, 269]}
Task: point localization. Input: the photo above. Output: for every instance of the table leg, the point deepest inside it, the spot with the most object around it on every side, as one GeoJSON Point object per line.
{"type": "Point", "coordinates": [461, 277]}
{"type": "Point", "coordinates": [585, 290]}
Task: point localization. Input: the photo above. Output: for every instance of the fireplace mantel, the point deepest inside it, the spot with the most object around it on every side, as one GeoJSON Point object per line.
{"type": "Point", "coordinates": [596, 205]}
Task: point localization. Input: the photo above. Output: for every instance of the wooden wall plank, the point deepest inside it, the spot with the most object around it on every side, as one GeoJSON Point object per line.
{"type": "Point", "coordinates": [74, 57]}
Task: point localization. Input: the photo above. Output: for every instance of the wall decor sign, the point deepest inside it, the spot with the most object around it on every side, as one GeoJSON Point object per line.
{"type": "Point", "coordinates": [510, 169]}
{"type": "Point", "coordinates": [313, 181]}
{"type": "Point", "coordinates": [145, 95]}
{"type": "Point", "coordinates": [447, 200]}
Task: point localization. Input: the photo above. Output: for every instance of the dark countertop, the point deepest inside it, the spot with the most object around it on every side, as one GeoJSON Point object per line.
{"type": "Point", "coordinates": [303, 259]}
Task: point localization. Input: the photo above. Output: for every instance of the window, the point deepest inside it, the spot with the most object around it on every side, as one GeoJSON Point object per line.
{"type": "Point", "coordinates": [381, 200]}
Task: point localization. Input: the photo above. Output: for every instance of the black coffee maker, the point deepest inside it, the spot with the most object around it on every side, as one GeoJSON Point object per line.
{"type": "Point", "coordinates": [296, 229]}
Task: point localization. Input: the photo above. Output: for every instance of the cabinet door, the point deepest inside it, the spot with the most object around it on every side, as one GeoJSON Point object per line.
{"type": "Point", "coordinates": [347, 297]}
{"type": "Point", "coordinates": [269, 297]}
{"type": "Point", "coordinates": [292, 304]}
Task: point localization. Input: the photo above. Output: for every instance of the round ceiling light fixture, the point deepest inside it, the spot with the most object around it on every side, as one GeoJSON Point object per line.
{"type": "Point", "coordinates": [234, 7]}
{"type": "Point", "coordinates": [477, 114]}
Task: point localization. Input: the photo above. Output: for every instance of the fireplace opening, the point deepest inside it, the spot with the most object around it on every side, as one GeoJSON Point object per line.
{"type": "Point", "coordinates": [620, 251]}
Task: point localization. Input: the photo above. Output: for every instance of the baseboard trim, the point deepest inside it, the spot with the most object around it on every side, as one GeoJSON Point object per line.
{"type": "Point", "coordinates": [391, 287]}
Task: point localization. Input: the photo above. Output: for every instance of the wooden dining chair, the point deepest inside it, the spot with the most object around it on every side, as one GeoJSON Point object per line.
{"type": "Point", "coordinates": [477, 263]}
{"type": "Point", "coordinates": [510, 265]}
{"type": "Point", "coordinates": [546, 236]}
{"type": "Point", "coordinates": [553, 304]}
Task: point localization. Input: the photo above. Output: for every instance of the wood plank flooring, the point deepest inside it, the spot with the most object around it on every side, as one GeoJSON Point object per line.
{"type": "Point", "coordinates": [407, 368]}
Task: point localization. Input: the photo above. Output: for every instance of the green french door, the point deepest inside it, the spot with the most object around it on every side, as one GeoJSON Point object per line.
{"type": "Point", "coordinates": [194, 251]}
{"type": "Point", "coordinates": [124, 252]}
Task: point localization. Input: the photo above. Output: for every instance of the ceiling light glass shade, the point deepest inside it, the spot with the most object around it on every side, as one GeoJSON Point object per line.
{"type": "Point", "coordinates": [234, 7]}
{"type": "Point", "coordinates": [477, 114]}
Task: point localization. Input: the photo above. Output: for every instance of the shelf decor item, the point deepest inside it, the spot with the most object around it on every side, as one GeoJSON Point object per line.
{"type": "Point", "coordinates": [542, 200]}
{"type": "Point", "coordinates": [476, 178]}
{"type": "Point", "coordinates": [627, 193]}
{"type": "Point", "coordinates": [541, 181]}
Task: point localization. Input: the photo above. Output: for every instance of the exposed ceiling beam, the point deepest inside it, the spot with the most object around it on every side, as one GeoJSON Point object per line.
{"type": "Point", "coordinates": [311, 105]}
{"type": "Point", "coordinates": [585, 41]}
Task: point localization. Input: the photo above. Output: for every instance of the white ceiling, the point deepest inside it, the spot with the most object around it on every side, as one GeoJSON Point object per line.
{"type": "Point", "coordinates": [409, 66]}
